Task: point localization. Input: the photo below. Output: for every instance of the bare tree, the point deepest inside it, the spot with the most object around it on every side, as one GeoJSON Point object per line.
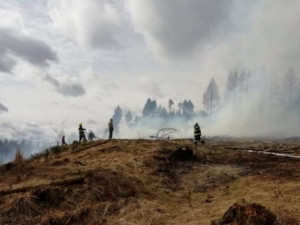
{"type": "Point", "coordinates": [60, 131]}
{"type": "Point", "coordinates": [179, 111]}
{"type": "Point", "coordinates": [237, 87]}
{"type": "Point", "coordinates": [242, 83]}
{"type": "Point", "coordinates": [289, 88]}
{"type": "Point", "coordinates": [211, 97]}
{"type": "Point", "coordinates": [231, 87]}
{"type": "Point", "coordinates": [274, 93]}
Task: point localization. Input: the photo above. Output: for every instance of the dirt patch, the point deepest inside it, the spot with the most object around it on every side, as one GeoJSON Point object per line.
{"type": "Point", "coordinates": [173, 158]}
{"type": "Point", "coordinates": [182, 154]}
{"type": "Point", "coordinates": [49, 196]}
{"type": "Point", "coordinates": [166, 163]}
{"type": "Point", "coordinates": [247, 214]}
{"type": "Point", "coordinates": [213, 182]}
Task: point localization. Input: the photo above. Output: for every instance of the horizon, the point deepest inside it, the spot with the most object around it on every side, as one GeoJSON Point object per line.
{"type": "Point", "coordinates": [77, 61]}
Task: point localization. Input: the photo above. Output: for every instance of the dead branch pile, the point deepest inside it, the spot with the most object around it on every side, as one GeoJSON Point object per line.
{"type": "Point", "coordinates": [166, 133]}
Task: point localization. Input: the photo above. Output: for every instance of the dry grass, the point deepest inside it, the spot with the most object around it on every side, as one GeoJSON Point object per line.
{"type": "Point", "coordinates": [134, 182]}
{"type": "Point", "coordinates": [19, 159]}
{"type": "Point", "coordinates": [20, 205]}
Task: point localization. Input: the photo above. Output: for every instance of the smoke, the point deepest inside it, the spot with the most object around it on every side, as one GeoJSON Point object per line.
{"type": "Point", "coordinates": [199, 40]}
{"type": "Point", "coordinates": [177, 28]}
{"type": "Point", "coordinates": [260, 38]}
{"type": "Point", "coordinates": [271, 109]}
{"type": "Point", "coordinates": [101, 29]}
{"type": "Point", "coordinates": [254, 104]}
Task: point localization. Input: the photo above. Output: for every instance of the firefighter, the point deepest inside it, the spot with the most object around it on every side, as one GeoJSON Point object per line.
{"type": "Point", "coordinates": [63, 141]}
{"type": "Point", "coordinates": [91, 135]}
{"type": "Point", "coordinates": [110, 128]}
{"type": "Point", "coordinates": [81, 133]}
{"type": "Point", "coordinates": [197, 133]}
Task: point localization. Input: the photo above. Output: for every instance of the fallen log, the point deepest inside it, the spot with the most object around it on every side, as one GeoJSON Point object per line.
{"type": "Point", "coordinates": [16, 190]}
{"type": "Point", "coordinates": [69, 181]}
{"type": "Point", "coordinates": [90, 146]}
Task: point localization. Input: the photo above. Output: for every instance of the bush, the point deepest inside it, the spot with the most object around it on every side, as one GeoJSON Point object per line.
{"type": "Point", "coordinates": [56, 149]}
{"type": "Point", "coordinates": [74, 145]}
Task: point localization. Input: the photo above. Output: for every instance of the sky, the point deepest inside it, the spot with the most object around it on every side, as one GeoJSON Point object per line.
{"type": "Point", "coordinates": [75, 61]}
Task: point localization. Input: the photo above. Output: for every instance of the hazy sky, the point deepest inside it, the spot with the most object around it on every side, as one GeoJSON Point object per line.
{"type": "Point", "coordinates": [79, 59]}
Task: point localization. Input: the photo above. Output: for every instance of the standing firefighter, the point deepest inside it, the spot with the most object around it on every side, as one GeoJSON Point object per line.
{"type": "Point", "coordinates": [81, 133]}
{"type": "Point", "coordinates": [63, 141]}
{"type": "Point", "coordinates": [197, 133]}
{"type": "Point", "coordinates": [110, 128]}
{"type": "Point", "coordinates": [91, 136]}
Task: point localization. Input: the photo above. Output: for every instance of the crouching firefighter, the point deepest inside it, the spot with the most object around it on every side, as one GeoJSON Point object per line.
{"type": "Point", "coordinates": [81, 133]}
{"type": "Point", "coordinates": [197, 134]}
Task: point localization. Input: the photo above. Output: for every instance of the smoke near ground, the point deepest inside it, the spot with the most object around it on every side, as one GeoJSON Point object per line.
{"type": "Point", "coordinates": [58, 63]}
{"type": "Point", "coordinates": [252, 104]}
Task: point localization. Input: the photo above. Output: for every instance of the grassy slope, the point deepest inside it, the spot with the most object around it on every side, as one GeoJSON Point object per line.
{"type": "Point", "coordinates": [134, 182]}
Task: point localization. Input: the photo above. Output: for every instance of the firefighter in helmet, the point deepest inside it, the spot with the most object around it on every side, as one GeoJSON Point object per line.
{"type": "Point", "coordinates": [81, 133]}
{"type": "Point", "coordinates": [197, 133]}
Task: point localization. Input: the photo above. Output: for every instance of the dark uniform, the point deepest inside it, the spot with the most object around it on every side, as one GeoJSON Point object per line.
{"type": "Point", "coordinates": [197, 133]}
{"type": "Point", "coordinates": [91, 136]}
{"type": "Point", "coordinates": [63, 141]}
{"type": "Point", "coordinates": [110, 128]}
{"type": "Point", "coordinates": [81, 133]}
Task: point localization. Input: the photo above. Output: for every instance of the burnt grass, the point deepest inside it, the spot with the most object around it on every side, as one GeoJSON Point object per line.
{"type": "Point", "coordinates": [268, 166]}
{"type": "Point", "coordinates": [168, 161]}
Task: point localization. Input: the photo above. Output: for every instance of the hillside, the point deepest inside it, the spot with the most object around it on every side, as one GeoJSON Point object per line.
{"type": "Point", "coordinates": [151, 182]}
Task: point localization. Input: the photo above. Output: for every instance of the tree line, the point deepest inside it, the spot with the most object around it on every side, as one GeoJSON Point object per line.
{"type": "Point", "coordinates": [239, 87]}
{"type": "Point", "coordinates": [8, 148]}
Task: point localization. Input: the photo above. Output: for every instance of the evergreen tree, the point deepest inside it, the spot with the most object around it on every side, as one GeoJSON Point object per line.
{"type": "Point", "coordinates": [117, 117]}
{"type": "Point", "coordinates": [187, 108]}
{"type": "Point", "coordinates": [170, 104]}
{"type": "Point", "coordinates": [231, 88]}
{"type": "Point", "coordinates": [136, 120]}
{"type": "Point", "coordinates": [162, 112]}
{"type": "Point", "coordinates": [149, 108]}
{"type": "Point", "coordinates": [128, 117]}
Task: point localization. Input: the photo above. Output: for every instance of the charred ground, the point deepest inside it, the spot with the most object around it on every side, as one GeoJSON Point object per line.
{"type": "Point", "coordinates": [151, 182]}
